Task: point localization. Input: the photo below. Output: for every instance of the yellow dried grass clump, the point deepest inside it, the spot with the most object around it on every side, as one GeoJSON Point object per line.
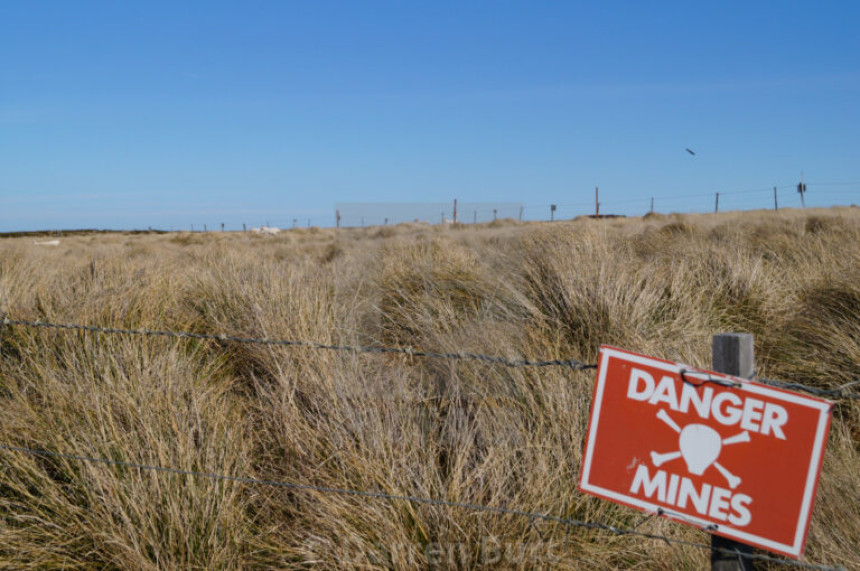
{"type": "Point", "coordinates": [460, 431]}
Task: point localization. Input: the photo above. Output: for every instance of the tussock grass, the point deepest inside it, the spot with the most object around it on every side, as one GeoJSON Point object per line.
{"type": "Point", "coordinates": [460, 431]}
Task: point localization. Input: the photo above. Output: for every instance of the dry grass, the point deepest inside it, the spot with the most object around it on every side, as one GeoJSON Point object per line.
{"type": "Point", "coordinates": [464, 432]}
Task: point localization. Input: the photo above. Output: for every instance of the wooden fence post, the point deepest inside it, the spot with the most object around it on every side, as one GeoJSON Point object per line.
{"type": "Point", "coordinates": [733, 355]}
{"type": "Point", "coordinates": [801, 188]}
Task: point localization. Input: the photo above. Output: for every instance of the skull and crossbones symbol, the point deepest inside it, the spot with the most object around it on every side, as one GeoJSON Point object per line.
{"type": "Point", "coordinates": [700, 446]}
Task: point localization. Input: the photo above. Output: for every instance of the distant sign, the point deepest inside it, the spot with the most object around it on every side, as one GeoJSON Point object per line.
{"type": "Point", "coordinates": [734, 456]}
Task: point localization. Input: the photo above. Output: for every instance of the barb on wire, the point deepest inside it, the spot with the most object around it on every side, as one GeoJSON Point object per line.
{"type": "Point", "coordinates": [409, 351]}
{"type": "Point", "coordinates": [567, 522]}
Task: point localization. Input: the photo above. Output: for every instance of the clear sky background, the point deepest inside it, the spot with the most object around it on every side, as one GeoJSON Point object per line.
{"type": "Point", "coordinates": [167, 114]}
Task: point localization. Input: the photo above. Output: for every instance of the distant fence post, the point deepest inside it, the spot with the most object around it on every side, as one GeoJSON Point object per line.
{"type": "Point", "coordinates": [732, 354]}
{"type": "Point", "coordinates": [717, 204]}
{"type": "Point", "coordinates": [801, 189]}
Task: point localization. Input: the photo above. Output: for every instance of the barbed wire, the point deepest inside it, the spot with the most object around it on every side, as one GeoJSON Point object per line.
{"type": "Point", "coordinates": [838, 393]}
{"type": "Point", "coordinates": [408, 351]}
{"type": "Point", "coordinates": [533, 516]}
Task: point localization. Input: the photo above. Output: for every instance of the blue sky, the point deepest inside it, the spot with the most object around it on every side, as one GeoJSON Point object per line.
{"type": "Point", "coordinates": [165, 114]}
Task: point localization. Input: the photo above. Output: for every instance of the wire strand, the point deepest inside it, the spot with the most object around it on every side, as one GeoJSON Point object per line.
{"type": "Point", "coordinates": [839, 393]}
{"type": "Point", "coordinates": [571, 363]}
{"type": "Point", "coordinates": [567, 522]}
{"type": "Point", "coordinates": [408, 351]}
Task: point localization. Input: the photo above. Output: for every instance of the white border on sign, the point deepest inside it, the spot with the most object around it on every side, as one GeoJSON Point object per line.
{"type": "Point", "coordinates": [822, 407]}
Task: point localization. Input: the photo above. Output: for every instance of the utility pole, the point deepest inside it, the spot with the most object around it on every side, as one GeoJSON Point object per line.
{"type": "Point", "coordinates": [717, 204]}
{"type": "Point", "coordinates": [521, 214]}
{"type": "Point", "coordinates": [775, 203]}
{"type": "Point", "coordinates": [596, 204]}
{"type": "Point", "coordinates": [652, 205]}
{"type": "Point", "coordinates": [552, 208]}
{"type": "Point", "coordinates": [455, 211]}
{"type": "Point", "coordinates": [494, 214]}
{"type": "Point", "coordinates": [337, 217]}
{"type": "Point", "coordinates": [801, 189]}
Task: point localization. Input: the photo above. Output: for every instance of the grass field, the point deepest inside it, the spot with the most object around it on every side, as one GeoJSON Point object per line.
{"type": "Point", "coordinates": [454, 430]}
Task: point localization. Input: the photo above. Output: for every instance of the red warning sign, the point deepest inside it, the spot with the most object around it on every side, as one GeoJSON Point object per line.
{"type": "Point", "coordinates": [714, 451]}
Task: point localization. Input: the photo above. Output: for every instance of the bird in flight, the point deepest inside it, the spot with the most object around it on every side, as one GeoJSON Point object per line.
{"type": "Point", "coordinates": [691, 152]}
